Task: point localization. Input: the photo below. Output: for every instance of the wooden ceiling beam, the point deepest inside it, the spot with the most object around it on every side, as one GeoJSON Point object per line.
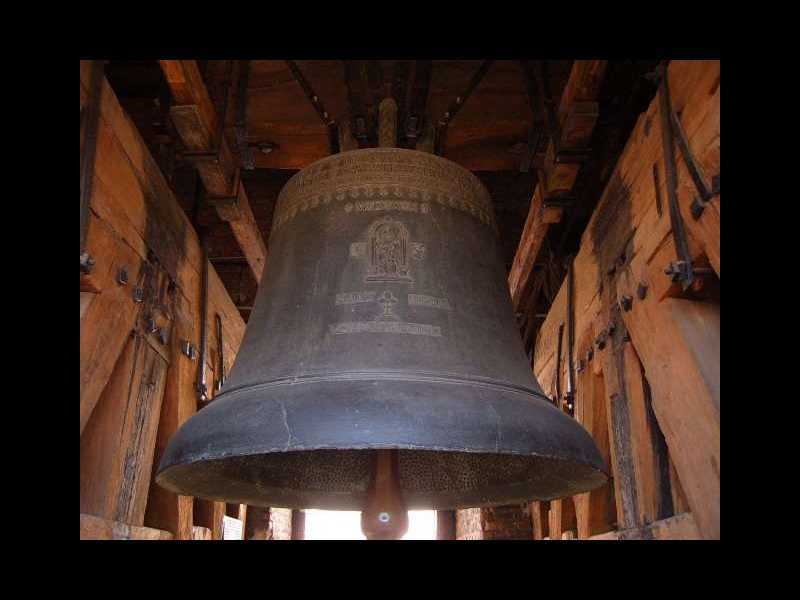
{"type": "Point", "coordinates": [576, 117]}
{"type": "Point", "coordinates": [198, 125]}
{"type": "Point", "coordinates": [357, 102]}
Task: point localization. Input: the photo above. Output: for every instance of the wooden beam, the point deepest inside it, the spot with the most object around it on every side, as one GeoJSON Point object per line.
{"type": "Point", "coordinates": [136, 224]}
{"type": "Point", "coordinates": [577, 115]}
{"type": "Point", "coordinates": [678, 527]}
{"type": "Point", "coordinates": [561, 518]}
{"type": "Point", "coordinates": [625, 247]}
{"type": "Point", "coordinates": [540, 520]}
{"type": "Point", "coordinates": [197, 124]}
{"type": "Point", "coordinates": [596, 510]}
{"type": "Point", "coordinates": [679, 344]}
{"type": "Point", "coordinates": [257, 526]}
{"type": "Point", "coordinates": [116, 447]}
{"type": "Point", "coordinates": [165, 509]}
{"type": "Point", "coordinates": [95, 528]}
{"type": "Point", "coordinates": [445, 524]}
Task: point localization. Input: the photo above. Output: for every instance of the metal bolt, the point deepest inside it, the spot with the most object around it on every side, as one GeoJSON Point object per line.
{"type": "Point", "coordinates": [641, 291]}
{"type": "Point", "coordinates": [138, 295]}
{"type": "Point", "coordinates": [600, 342]}
{"type": "Point", "coordinates": [384, 517]}
{"type": "Point", "coordinates": [87, 262]}
{"type": "Point", "coordinates": [697, 208]}
{"type": "Point", "coordinates": [626, 303]}
{"type": "Point", "coordinates": [122, 276]}
{"type": "Point", "coordinates": [150, 324]}
{"type": "Point", "coordinates": [188, 349]}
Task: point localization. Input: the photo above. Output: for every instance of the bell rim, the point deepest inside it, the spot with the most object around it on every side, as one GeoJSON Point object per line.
{"type": "Point", "coordinates": [495, 426]}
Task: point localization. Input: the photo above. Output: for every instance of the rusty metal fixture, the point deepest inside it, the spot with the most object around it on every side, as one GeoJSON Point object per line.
{"type": "Point", "coordinates": [383, 322]}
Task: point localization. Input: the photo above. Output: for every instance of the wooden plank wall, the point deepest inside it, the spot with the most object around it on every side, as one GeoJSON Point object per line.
{"type": "Point", "coordinates": [648, 386]}
{"type": "Point", "coordinates": [137, 387]}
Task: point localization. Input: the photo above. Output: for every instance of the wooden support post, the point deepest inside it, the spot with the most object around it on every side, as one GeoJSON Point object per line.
{"type": "Point", "coordinates": [116, 448]}
{"type": "Point", "coordinates": [298, 525]}
{"type": "Point", "coordinates": [596, 510]}
{"type": "Point", "coordinates": [540, 520]}
{"type": "Point", "coordinates": [165, 509]}
{"type": "Point", "coordinates": [679, 344]}
{"type": "Point", "coordinates": [197, 123]}
{"type": "Point", "coordinates": [561, 518]}
{"type": "Point", "coordinates": [445, 524]}
{"type": "Point", "coordinates": [257, 526]}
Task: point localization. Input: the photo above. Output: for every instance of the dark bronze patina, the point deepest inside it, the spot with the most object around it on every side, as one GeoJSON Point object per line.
{"type": "Point", "coordinates": [383, 321]}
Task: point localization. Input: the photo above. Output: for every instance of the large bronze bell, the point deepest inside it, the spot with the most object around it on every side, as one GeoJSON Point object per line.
{"type": "Point", "coordinates": [383, 321]}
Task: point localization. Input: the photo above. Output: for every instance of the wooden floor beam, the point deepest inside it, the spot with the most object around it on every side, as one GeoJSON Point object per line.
{"type": "Point", "coordinates": [677, 527]}
{"type": "Point", "coordinates": [96, 528]}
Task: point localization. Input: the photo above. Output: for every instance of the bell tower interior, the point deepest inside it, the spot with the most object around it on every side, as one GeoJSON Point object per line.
{"type": "Point", "coordinates": [450, 299]}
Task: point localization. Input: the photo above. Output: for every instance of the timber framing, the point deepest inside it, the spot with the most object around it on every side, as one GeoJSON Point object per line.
{"type": "Point", "coordinates": [200, 129]}
{"type": "Point", "coordinates": [648, 352]}
{"type": "Point", "coordinates": [137, 386]}
{"type": "Point", "coordinates": [576, 117]}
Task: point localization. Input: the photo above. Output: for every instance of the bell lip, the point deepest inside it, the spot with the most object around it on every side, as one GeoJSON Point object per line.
{"type": "Point", "coordinates": [512, 493]}
{"type": "Point", "coordinates": [273, 421]}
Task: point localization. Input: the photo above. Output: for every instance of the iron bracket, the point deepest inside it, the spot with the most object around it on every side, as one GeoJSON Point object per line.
{"type": "Point", "coordinates": [680, 270]}
{"type": "Point", "coordinates": [705, 192]}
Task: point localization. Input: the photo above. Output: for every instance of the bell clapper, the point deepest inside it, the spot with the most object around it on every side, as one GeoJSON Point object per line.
{"type": "Point", "coordinates": [385, 516]}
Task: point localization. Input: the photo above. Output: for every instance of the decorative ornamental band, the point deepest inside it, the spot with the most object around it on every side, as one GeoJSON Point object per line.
{"type": "Point", "coordinates": [381, 176]}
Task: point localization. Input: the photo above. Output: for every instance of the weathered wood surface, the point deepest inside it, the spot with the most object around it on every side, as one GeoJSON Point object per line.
{"type": "Point", "coordinates": [137, 224]}
{"type": "Point", "coordinates": [628, 242]}
{"type": "Point", "coordinates": [576, 120]}
{"type": "Point", "coordinates": [678, 527]}
{"type": "Point", "coordinates": [201, 533]}
{"type": "Point", "coordinates": [596, 510]}
{"type": "Point", "coordinates": [134, 211]}
{"type": "Point", "coordinates": [561, 518]}
{"type": "Point", "coordinates": [197, 123]}
{"type": "Point", "coordinates": [540, 519]}
{"type": "Point", "coordinates": [95, 528]}
{"type": "Point", "coordinates": [165, 509]}
{"type": "Point", "coordinates": [116, 448]}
